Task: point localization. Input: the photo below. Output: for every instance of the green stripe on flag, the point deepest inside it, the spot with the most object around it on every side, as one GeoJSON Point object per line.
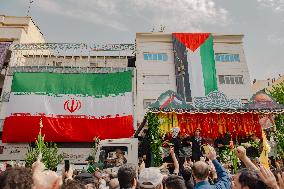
{"type": "Point", "coordinates": [208, 65]}
{"type": "Point", "coordinates": [89, 84]}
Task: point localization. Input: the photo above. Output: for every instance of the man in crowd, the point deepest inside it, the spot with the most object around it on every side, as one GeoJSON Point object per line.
{"type": "Point", "coordinates": [222, 142]}
{"type": "Point", "coordinates": [247, 178]}
{"type": "Point", "coordinates": [175, 182]}
{"type": "Point", "coordinates": [118, 160]}
{"type": "Point", "coordinates": [150, 178]}
{"type": "Point", "coordinates": [91, 165]}
{"type": "Point", "coordinates": [201, 172]}
{"type": "Point", "coordinates": [197, 142]}
{"type": "Point", "coordinates": [144, 147]}
{"type": "Point", "coordinates": [127, 176]}
{"type": "Point", "coordinates": [20, 178]}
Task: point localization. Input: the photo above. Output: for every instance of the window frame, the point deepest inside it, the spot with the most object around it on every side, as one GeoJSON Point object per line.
{"type": "Point", "coordinates": [148, 56]}
{"type": "Point", "coordinates": [147, 100]}
{"type": "Point", "coordinates": [145, 81]}
{"type": "Point", "coordinates": [231, 79]}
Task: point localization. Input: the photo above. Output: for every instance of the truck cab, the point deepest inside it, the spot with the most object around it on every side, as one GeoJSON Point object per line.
{"type": "Point", "coordinates": [107, 151]}
{"type": "Point", "coordinates": [77, 154]}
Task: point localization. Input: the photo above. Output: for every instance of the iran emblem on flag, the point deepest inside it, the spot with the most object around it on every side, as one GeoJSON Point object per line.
{"type": "Point", "coordinates": [73, 107]}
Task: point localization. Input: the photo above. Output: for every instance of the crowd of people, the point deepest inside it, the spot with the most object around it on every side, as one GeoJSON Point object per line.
{"type": "Point", "coordinates": [206, 173]}
{"type": "Point", "coordinates": [185, 166]}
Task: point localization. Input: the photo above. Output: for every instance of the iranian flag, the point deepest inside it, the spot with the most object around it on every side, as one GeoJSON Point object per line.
{"type": "Point", "coordinates": [195, 64]}
{"type": "Point", "coordinates": [73, 107]}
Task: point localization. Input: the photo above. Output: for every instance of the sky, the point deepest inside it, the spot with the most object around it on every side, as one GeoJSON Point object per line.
{"type": "Point", "coordinates": [117, 21]}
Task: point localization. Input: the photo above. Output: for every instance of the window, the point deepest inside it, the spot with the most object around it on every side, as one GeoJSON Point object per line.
{"type": "Point", "coordinates": [109, 156]}
{"type": "Point", "coordinates": [224, 57]}
{"type": "Point", "coordinates": [156, 56]}
{"type": "Point", "coordinates": [94, 64]}
{"type": "Point", "coordinates": [147, 102]}
{"type": "Point", "coordinates": [57, 64]}
{"type": "Point", "coordinates": [156, 79]}
{"type": "Point", "coordinates": [231, 79]}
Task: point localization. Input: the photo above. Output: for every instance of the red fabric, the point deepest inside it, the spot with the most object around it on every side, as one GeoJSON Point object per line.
{"type": "Point", "coordinates": [169, 100]}
{"type": "Point", "coordinates": [215, 125]}
{"type": "Point", "coordinates": [70, 129]}
{"type": "Point", "coordinates": [192, 40]}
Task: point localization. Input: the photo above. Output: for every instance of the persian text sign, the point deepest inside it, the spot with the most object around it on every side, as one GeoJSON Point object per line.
{"type": "Point", "coordinates": [73, 46]}
{"type": "Point", "coordinates": [114, 47]}
{"type": "Point", "coordinates": [13, 151]}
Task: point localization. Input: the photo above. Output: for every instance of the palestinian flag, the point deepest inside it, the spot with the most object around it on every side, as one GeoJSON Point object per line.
{"type": "Point", "coordinates": [194, 64]}
{"type": "Point", "coordinates": [73, 107]}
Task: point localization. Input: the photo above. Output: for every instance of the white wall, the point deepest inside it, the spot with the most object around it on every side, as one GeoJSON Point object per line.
{"type": "Point", "coordinates": [238, 91]}
{"type": "Point", "coordinates": [31, 35]}
{"type": "Point", "coordinates": [10, 33]}
{"type": "Point", "coordinates": [162, 43]}
{"type": "Point", "coordinates": [148, 89]}
{"type": "Point", "coordinates": [18, 30]}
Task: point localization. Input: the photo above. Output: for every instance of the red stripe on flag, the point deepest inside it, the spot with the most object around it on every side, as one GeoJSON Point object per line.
{"type": "Point", "coordinates": [192, 40]}
{"type": "Point", "coordinates": [68, 129]}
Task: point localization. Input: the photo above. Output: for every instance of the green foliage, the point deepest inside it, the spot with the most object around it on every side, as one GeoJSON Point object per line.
{"type": "Point", "coordinates": [254, 144]}
{"type": "Point", "coordinates": [277, 93]}
{"type": "Point", "coordinates": [50, 156]}
{"type": "Point", "coordinates": [155, 138]}
{"type": "Point", "coordinates": [95, 146]}
{"type": "Point", "coordinates": [230, 156]}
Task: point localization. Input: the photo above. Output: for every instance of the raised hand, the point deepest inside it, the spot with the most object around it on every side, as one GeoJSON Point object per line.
{"type": "Point", "coordinates": [268, 178]}
{"type": "Point", "coordinates": [241, 152]}
{"type": "Point", "coordinates": [281, 180]}
{"type": "Point", "coordinates": [211, 154]}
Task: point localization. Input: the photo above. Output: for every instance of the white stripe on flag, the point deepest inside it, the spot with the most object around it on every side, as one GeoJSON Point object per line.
{"type": "Point", "coordinates": [195, 73]}
{"type": "Point", "coordinates": [56, 105]}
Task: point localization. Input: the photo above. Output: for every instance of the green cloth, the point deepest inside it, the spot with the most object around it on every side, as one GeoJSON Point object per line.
{"type": "Point", "coordinates": [93, 167]}
{"type": "Point", "coordinates": [208, 66]}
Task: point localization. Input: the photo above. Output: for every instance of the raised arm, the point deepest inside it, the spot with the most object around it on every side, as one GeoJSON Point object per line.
{"type": "Point", "coordinates": [241, 154]}
{"type": "Point", "coordinates": [223, 177]}
{"type": "Point", "coordinates": [176, 164]}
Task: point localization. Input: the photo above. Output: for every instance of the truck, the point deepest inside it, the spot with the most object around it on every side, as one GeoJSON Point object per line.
{"type": "Point", "coordinates": [77, 153]}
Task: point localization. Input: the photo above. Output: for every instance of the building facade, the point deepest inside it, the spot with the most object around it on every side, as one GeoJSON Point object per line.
{"type": "Point", "coordinates": [154, 61]}
{"type": "Point", "coordinates": [156, 67]}
{"type": "Point", "coordinates": [14, 29]}
{"type": "Point", "coordinates": [267, 85]}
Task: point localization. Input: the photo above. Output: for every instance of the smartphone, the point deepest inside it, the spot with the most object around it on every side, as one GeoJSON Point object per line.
{"type": "Point", "coordinates": [66, 165]}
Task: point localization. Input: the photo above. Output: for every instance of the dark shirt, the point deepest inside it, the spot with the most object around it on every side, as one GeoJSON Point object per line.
{"type": "Point", "coordinates": [177, 142]}
{"type": "Point", "coordinates": [144, 149]}
{"type": "Point", "coordinates": [196, 148]}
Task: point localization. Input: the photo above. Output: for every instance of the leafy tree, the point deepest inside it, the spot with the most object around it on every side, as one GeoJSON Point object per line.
{"type": "Point", "coordinates": [277, 93]}
{"type": "Point", "coordinates": [50, 156]}
{"type": "Point", "coordinates": [155, 137]}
